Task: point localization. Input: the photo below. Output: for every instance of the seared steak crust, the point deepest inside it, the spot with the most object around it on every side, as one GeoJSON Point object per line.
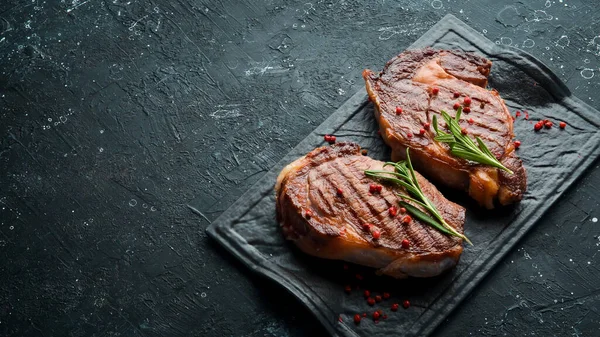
{"type": "Point", "coordinates": [408, 81]}
{"type": "Point", "coordinates": [329, 224]}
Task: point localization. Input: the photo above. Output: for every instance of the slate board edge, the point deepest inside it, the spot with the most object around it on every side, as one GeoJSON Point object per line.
{"type": "Point", "coordinates": [435, 315]}
{"type": "Point", "coordinates": [220, 231]}
{"type": "Point", "coordinates": [230, 239]}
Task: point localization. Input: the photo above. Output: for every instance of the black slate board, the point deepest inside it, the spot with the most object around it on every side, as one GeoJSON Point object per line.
{"type": "Point", "coordinates": [554, 160]}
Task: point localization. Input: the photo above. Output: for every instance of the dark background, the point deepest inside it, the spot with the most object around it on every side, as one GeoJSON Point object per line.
{"type": "Point", "coordinates": [116, 115]}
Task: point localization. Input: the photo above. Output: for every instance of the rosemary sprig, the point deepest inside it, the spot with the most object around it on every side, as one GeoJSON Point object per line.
{"type": "Point", "coordinates": [462, 146]}
{"type": "Point", "coordinates": [404, 175]}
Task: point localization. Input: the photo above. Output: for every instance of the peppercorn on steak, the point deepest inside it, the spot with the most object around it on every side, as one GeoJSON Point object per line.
{"type": "Point", "coordinates": [417, 85]}
{"type": "Point", "coordinates": [330, 209]}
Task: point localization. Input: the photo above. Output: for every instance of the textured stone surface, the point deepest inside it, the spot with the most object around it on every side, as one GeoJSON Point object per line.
{"type": "Point", "coordinates": [117, 115]}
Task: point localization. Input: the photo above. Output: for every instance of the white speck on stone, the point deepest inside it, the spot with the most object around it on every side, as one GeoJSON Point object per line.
{"type": "Point", "coordinates": [594, 219]}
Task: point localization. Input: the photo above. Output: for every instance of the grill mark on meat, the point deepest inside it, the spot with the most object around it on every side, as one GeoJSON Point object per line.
{"type": "Point", "coordinates": [490, 123]}
{"type": "Point", "coordinates": [322, 197]}
{"type": "Point", "coordinates": [421, 235]}
{"type": "Point", "coordinates": [392, 224]}
{"type": "Point", "coordinates": [342, 165]}
{"type": "Point", "coordinates": [348, 188]}
{"type": "Point", "coordinates": [349, 175]}
{"type": "Point", "coordinates": [415, 236]}
{"type": "Point", "coordinates": [445, 211]}
{"type": "Point", "coordinates": [478, 129]}
{"type": "Point", "coordinates": [414, 73]}
{"type": "Point", "coordinates": [494, 126]}
{"type": "Point", "coordinates": [435, 239]}
{"type": "Point", "coordinates": [362, 200]}
{"type": "Point", "coordinates": [391, 227]}
{"type": "Point", "coordinates": [413, 230]}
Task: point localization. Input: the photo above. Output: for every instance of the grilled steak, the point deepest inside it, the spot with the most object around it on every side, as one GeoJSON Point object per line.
{"type": "Point", "coordinates": [325, 206]}
{"type": "Point", "coordinates": [416, 85]}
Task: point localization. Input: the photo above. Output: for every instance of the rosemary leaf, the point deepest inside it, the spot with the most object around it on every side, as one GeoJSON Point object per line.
{"type": "Point", "coordinates": [445, 138]}
{"type": "Point", "coordinates": [435, 126]}
{"type": "Point", "coordinates": [424, 217]}
{"type": "Point", "coordinates": [404, 175]}
{"type": "Point", "coordinates": [484, 148]}
{"type": "Point", "coordinates": [463, 146]}
{"type": "Point", "coordinates": [378, 174]}
{"type": "Point", "coordinates": [404, 196]}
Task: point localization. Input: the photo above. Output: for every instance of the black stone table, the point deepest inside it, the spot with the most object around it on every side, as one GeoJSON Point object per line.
{"type": "Point", "coordinates": [117, 115]}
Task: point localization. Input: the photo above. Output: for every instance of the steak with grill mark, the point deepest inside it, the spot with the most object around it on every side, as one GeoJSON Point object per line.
{"type": "Point", "coordinates": [408, 81]}
{"type": "Point", "coordinates": [323, 203]}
